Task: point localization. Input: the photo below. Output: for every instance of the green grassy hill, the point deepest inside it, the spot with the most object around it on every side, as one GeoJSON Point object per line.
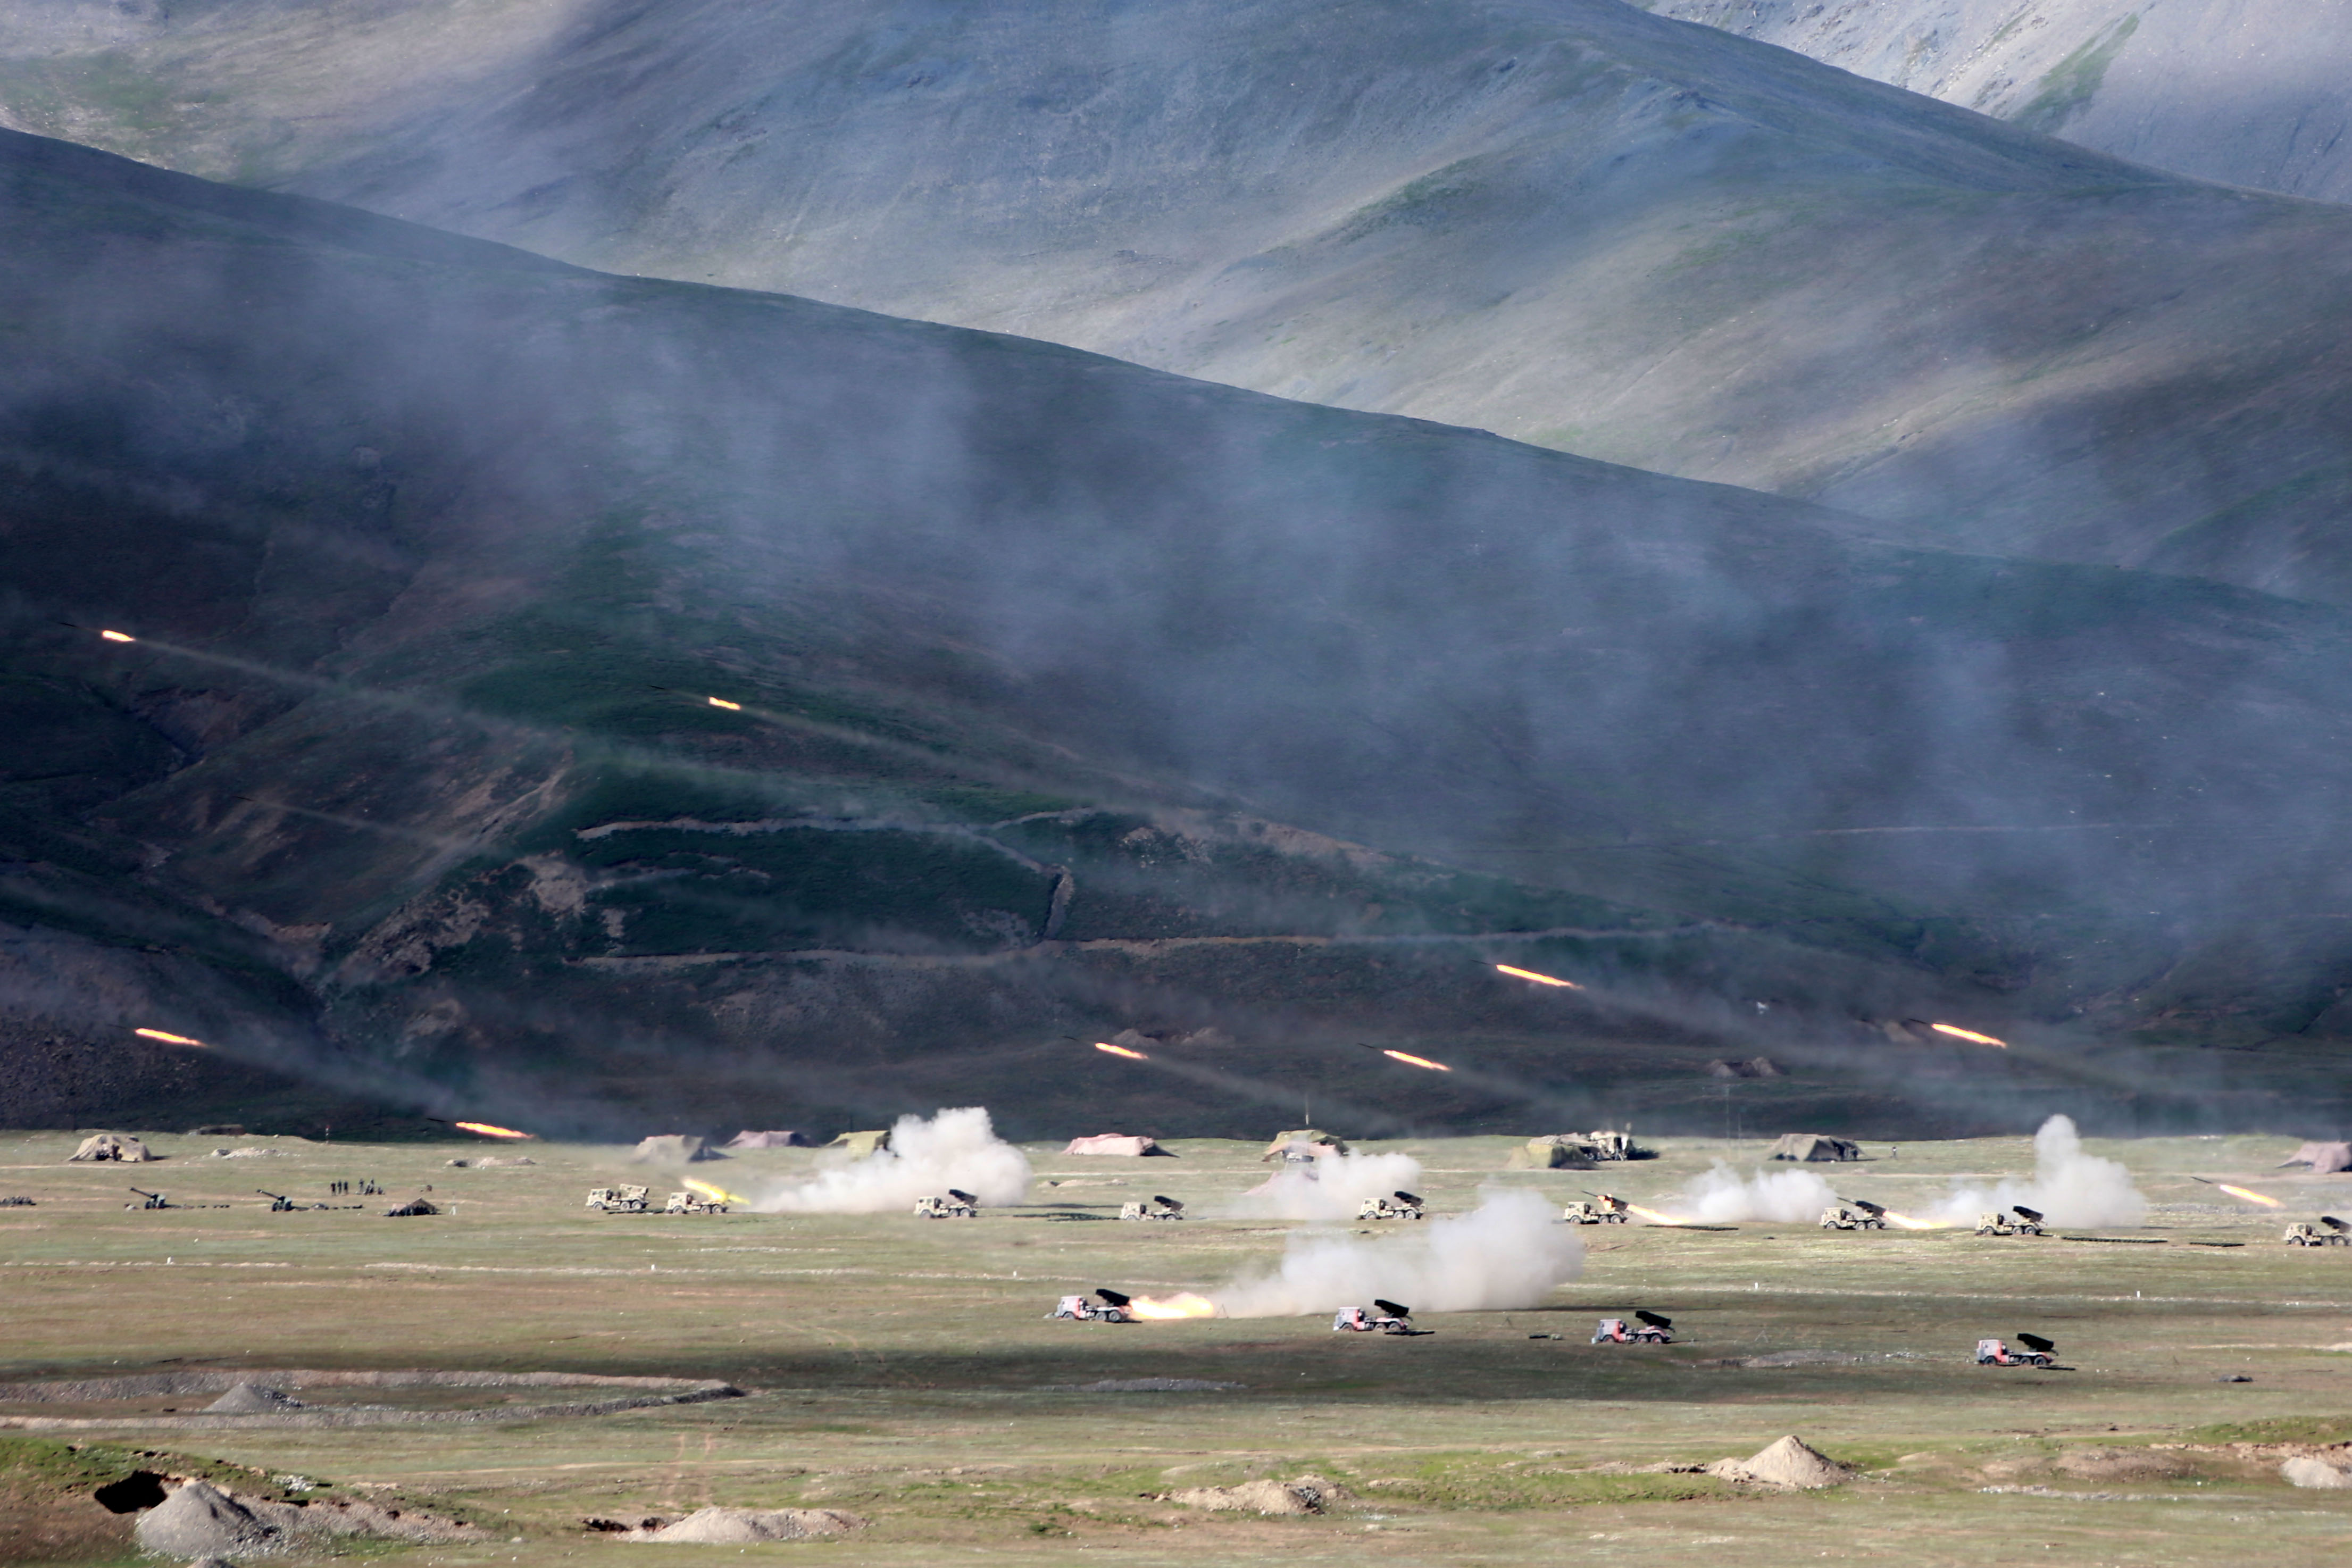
{"type": "Point", "coordinates": [1058, 698]}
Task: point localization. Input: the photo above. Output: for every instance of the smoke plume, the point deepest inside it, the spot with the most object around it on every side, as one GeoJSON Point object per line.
{"type": "Point", "coordinates": [1332, 1188]}
{"type": "Point", "coordinates": [1720, 1196]}
{"type": "Point", "coordinates": [2069, 1186]}
{"type": "Point", "coordinates": [954, 1149]}
{"type": "Point", "coordinates": [1509, 1251]}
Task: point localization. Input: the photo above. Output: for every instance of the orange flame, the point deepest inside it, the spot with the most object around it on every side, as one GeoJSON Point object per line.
{"type": "Point", "coordinates": [170, 1039]}
{"type": "Point", "coordinates": [1413, 1061]}
{"type": "Point", "coordinates": [1539, 979]}
{"type": "Point", "coordinates": [1959, 1034]}
{"type": "Point", "coordinates": [1122, 1051]}
{"type": "Point", "coordinates": [720, 1195]}
{"type": "Point", "coordinates": [1186, 1305]}
{"type": "Point", "coordinates": [1907, 1223]}
{"type": "Point", "coordinates": [722, 703]}
{"type": "Point", "coordinates": [487, 1130]}
{"type": "Point", "coordinates": [118, 636]}
{"type": "Point", "coordinates": [1652, 1216]}
{"type": "Point", "coordinates": [2250, 1197]}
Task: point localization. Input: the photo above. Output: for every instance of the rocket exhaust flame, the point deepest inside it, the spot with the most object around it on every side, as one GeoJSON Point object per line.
{"type": "Point", "coordinates": [118, 636]}
{"type": "Point", "coordinates": [1539, 979]}
{"type": "Point", "coordinates": [487, 1130]}
{"type": "Point", "coordinates": [710, 1190]}
{"type": "Point", "coordinates": [1959, 1034]}
{"type": "Point", "coordinates": [170, 1039]}
{"type": "Point", "coordinates": [2250, 1197]}
{"type": "Point", "coordinates": [1652, 1216]}
{"type": "Point", "coordinates": [1185, 1305]}
{"type": "Point", "coordinates": [1413, 1061]}
{"type": "Point", "coordinates": [722, 703]}
{"type": "Point", "coordinates": [1907, 1223]}
{"type": "Point", "coordinates": [1121, 1051]}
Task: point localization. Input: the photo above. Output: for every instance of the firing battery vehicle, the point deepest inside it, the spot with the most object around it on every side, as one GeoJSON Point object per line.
{"type": "Point", "coordinates": [1604, 1208]}
{"type": "Point", "coordinates": [617, 1200]}
{"type": "Point", "coordinates": [1380, 1318]}
{"type": "Point", "coordinates": [1113, 1309]}
{"type": "Point", "coordinates": [1993, 1352]}
{"type": "Point", "coordinates": [1396, 1205]}
{"type": "Point", "coordinates": [1854, 1214]}
{"type": "Point", "coordinates": [955, 1206]}
{"type": "Point", "coordinates": [2335, 1233]}
{"type": "Point", "coordinates": [691, 1202]}
{"type": "Point", "coordinates": [1153, 1207]}
{"type": "Point", "coordinates": [1654, 1328]}
{"type": "Point", "coordinates": [2027, 1223]}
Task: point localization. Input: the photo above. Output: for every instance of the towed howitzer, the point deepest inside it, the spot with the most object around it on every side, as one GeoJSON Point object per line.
{"type": "Point", "coordinates": [279, 1203]}
{"type": "Point", "coordinates": [155, 1200]}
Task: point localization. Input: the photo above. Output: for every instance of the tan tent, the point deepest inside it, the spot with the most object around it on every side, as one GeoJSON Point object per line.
{"type": "Point", "coordinates": [112, 1146]}
{"type": "Point", "coordinates": [1552, 1151]}
{"type": "Point", "coordinates": [676, 1148]}
{"type": "Point", "coordinates": [1307, 1140]}
{"type": "Point", "coordinates": [2324, 1158]}
{"type": "Point", "coordinates": [862, 1143]}
{"type": "Point", "coordinates": [747, 1138]}
{"type": "Point", "coordinates": [1119, 1143]}
{"type": "Point", "coordinates": [1812, 1146]}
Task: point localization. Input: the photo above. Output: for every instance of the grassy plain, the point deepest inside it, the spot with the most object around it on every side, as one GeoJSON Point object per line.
{"type": "Point", "coordinates": [905, 1370]}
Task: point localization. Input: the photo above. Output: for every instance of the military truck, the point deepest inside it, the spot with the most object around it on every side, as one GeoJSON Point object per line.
{"type": "Point", "coordinates": [691, 1202]}
{"type": "Point", "coordinates": [1604, 1208]}
{"type": "Point", "coordinates": [1606, 1144]}
{"type": "Point", "coordinates": [1854, 1214]}
{"type": "Point", "coordinates": [1997, 1223]}
{"type": "Point", "coordinates": [955, 1206]}
{"type": "Point", "coordinates": [1380, 1318]}
{"type": "Point", "coordinates": [1396, 1205]}
{"type": "Point", "coordinates": [1650, 1329]}
{"type": "Point", "coordinates": [1153, 1207]}
{"type": "Point", "coordinates": [1993, 1352]}
{"type": "Point", "coordinates": [2329, 1232]}
{"type": "Point", "coordinates": [617, 1200]}
{"type": "Point", "coordinates": [1112, 1309]}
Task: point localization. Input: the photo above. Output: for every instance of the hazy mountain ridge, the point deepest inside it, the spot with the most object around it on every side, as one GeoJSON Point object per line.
{"type": "Point", "coordinates": [2247, 94]}
{"type": "Point", "coordinates": [1571, 222]}
{"type": "Point", "coordinates": [439, 550]}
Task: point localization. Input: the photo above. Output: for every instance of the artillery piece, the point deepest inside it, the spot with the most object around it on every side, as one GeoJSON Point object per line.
{"type": "Point", "coordinates": [1396, 1205]}
{"type": "Point", "coordinates": [2335, 1233]}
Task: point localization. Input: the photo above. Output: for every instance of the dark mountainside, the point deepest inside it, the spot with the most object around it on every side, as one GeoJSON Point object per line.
{"type": "Point", "coordinates": [1566, 221]}
{"type": "Point", "coordinates": [1076, 698]}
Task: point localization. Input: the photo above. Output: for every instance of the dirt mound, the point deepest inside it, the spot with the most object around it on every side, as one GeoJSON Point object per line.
{"type": "Point", "coordinates": [200, 1521]}
{"type": "Point", "coordinates": [252, 1399]}
{"type": "Point", "coordinates": [735, 1526]}
{"type": "Point", "coordinates": [1791, 1462]}
{"type": "Point", "coordinates": [1308, 1494]}
{"type": "Point", "coordinates": [2306, 1471]}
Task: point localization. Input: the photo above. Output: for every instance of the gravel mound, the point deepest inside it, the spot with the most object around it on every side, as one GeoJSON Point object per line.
{"type": "Point", "coordinates": [200, 1521]}
{"type": "Point", "coordinates": [737, 1526]}
{"type": "Point", "coordinates": [252, 1399]}
{"type": "Point", "coordinates": [1791, 1462]}
{"type": "Point", "coordinates": [1308, 1494]}
{"type": "Point", "coordinates": [2306, 1471]}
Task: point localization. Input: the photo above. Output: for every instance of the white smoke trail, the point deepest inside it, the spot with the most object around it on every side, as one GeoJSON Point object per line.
{"type": "Point", "coordinates": [1791, 1196]}
{"type": "Point", "coordinates": [1332, 1188]}
{"type": "Point", "coordinates": [2069, 1186]}
{"type": "Point", "coordinates": [1507, 1252]}
{"type": "Point", "coordinates": [954, 1148]}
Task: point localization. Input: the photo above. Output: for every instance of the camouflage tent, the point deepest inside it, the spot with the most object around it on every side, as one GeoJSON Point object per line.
{"type": "Point", "coordinates": [747, 1138]}
{"type": "Point", "coordinates": [1553, 1151]}
{"type": "Point", "coordinates": [1812, 1146]}
{"type": "Point", "coordinates": [2324, 1158]}
{"type": "Point", "coordinates": [1115, 1143]}
{"type": "Point", "coordinates": [1304, 1139]}
{"type": "Point", "coordinates": [676, 1148]}
{"type": "Point", "coordinates": [112, 1146]}
{"type": "Point", "coordinates": [862, 1143]}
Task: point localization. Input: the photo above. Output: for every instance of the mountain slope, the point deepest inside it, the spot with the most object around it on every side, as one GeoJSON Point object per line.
{"type": "Point", "coordinates": [2248, 94]}
{"type": "Point", "coordinates": [1570, 222]}
{"type": "Point", "coordinates": [1059, 697]}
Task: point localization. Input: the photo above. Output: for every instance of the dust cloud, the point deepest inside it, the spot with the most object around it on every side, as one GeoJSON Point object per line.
{"type": "Point", "coordinates": [1510, 1251]}
{"type": "Point", "coordinates": [954, 1149]}
{"type": "Point", "coordinates": [1721, 1197]}
{"type": "Point", "coordinates": [1332, 1188]}
{"type": "Point", "coordinates": [2068, 1187]}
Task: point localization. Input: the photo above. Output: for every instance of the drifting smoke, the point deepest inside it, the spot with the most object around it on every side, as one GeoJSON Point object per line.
{"type": "Point", "coordinates": [2069, 1186]}
{"type": "Point", "coordinates": [1509, 1252]}
{"type": "Point", "coordinates": [1332, 1188]}
{"type": "Point", "coordinates": [954, 1148]}
{"type": "Point", "coordinates": [1720, 1196]}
